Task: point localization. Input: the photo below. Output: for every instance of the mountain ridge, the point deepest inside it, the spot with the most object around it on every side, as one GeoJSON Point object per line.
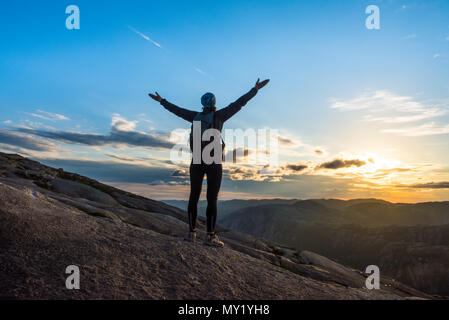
{"type": "Point", "coordinates": [394, 237]}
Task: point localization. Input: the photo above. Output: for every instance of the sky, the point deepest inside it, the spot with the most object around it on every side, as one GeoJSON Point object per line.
{"type": "Point", "coordinates": [360, 113]}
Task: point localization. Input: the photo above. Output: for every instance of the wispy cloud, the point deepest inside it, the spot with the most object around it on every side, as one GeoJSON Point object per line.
{"type": "Point", "coordinates": [121, 124]}
{"type": "Point", "coordinates": [180, 192]}
{"type": "Point", "coordinates": [200, 71]}
{"type": "Point", "coordinates": [297, 167]}
{"type": "Point", "coordinates": [426, 129]}
{"type": "Point", "coordinates": [408, 37]}
{"type": "Point", "coordinates": [387, 107]}
{"type": "Point", "coordinates": [379, 100]}
{"type": "Point", "coordinates": [134, 159]}
{"type": "Point", "coordinates": [44, 115]}
{"type": "Point", "coordinates": [25, 141]}
{"type": "Point", "coordinates": [429, 185]}
{"type": "Point", "coordinates": [430, 113]}
{"type": "Point", "coordinates": [436, 55]}
{"type": "Point", "coordinates": [122, 133]}
{"type": "Point", "coordinates": [341, 163]}
{"type": "Point", "coordinates": [145, 36]}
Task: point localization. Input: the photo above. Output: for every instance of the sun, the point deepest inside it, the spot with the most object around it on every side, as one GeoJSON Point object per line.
{"type": "Point", "coordinates": [380, 171]}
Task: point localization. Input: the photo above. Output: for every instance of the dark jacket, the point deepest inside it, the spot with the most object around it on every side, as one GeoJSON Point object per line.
{"type": "Point", "coordinates": [221, 116]}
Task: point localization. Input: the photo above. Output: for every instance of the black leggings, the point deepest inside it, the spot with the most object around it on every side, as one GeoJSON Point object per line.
{"type": "Point", "coordinates": [214, 173]}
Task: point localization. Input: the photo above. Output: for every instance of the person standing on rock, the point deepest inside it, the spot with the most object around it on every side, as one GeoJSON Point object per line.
{"type": "Point", "coordinates": [208, 118]}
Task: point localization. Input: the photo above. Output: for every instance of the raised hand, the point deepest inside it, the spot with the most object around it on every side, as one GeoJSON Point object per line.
{"type": "Point", "coordinates": [260, 85]}
{"type": "Point", "coordinates": [156, 97]}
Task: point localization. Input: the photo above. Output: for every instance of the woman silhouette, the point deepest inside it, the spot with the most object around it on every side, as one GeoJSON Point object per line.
{"type": "Point", "coordinates": [213, 171]}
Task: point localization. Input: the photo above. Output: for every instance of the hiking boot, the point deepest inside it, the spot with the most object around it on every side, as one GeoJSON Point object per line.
{"type": "Point", "coordinates": [212, 240]}
{"type": "Point", "coordinates": [191, 237]}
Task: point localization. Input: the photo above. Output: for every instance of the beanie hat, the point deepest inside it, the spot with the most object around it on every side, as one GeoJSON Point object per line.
{"type": "Point", "coordinates": [208, 100]}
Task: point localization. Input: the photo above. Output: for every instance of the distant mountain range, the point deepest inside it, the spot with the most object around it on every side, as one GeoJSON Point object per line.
{"type": "Point", "coordinates": [409, 242]}
{"type": "Point", "coordinates": [364, 212]}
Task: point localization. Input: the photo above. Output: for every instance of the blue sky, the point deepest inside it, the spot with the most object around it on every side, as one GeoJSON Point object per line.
{"type": "Point", "coordinates": [335, 85]}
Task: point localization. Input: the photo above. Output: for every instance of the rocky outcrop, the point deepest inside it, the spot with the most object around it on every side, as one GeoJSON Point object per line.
{"type": "Point", "coordinates": [130, 247]}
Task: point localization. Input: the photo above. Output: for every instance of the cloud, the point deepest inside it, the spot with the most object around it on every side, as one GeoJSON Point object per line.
{"type": "Point", "coordinates": [44, 115]}
{"type": "Point", "coordinates": [340, 163]}
{"type": "Point", "coordinates": [382, 174]}
{"type": "Point", "coordinates": [426, 129]}
{"type": "Point", "coordinates": [121, 158]}
{"type": "Point", "coordinates": [410, 36]}
{"type": "Point", "coordinates": [180, 173]}
{"type": "Point", "coordinates": [154, 180]}
{"type": "Point", "coordinates": [169, 183]}
{"type": "Point", "coordinates": [431, 113]}
{"type": "Point", "coordinates": [430, 185]}
{"type": "Point", "coordinates": [375, 102]}
{"type": "Point", "coordinates": [121, 124]}
{"type": "Point", "coordinates": [255, 173]}
{"type": "Point", "coordinates": [7, 122]}
{"type": "Point", "coordinates": [25, 141]}
{"type": "Point", "coordinates": [116, 137]}
{"type": "Point", "coordinates": [120, 134]}
{"type": "Point", "coordinates": [294, 146]}
{"type": "Point", "coordinates": [238, 154]}
{"type": "Point", "coordinates": [246, 155]}
{"type": "Point", "coordinates": [138, 160]}
{"type": "Point", "coordinates": [268, 173]}
{"type": "Point", "coordinates": [288, 142]}
{"type": "Point", "coordinates": [200, 71]}
{"type": "Point", "coordinates": [145, 37]}
{"type": "Point", "coordinates": [300, 186]}
{"type": "Point", "coordinates": [389, 108]}
{"type": "Point", "coordinates": [181, 192]}
{"type": "Point", "coordinates": [297, 167]}
{"type": "Point", "coordinates": [242, 173]}
{"type": "Point", "coordinates": [6, 148]}
{"type": "Point", "coordinates": [436, 55]}
{"type": "Point", "coordinates": [111, 170]}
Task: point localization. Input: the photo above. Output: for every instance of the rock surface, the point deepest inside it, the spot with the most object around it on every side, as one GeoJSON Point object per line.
{"type": "Point", "coordinates": [130, 247]}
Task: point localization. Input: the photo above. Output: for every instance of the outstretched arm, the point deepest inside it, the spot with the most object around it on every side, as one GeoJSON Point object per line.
{"type": "Point", "coordinates": [236, 106]}
{"type": "Point", "coordinates": [187, 115]}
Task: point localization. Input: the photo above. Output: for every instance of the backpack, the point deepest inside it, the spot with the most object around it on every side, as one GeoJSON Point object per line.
{"type": "Point", "coordinates": [207, 122]}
